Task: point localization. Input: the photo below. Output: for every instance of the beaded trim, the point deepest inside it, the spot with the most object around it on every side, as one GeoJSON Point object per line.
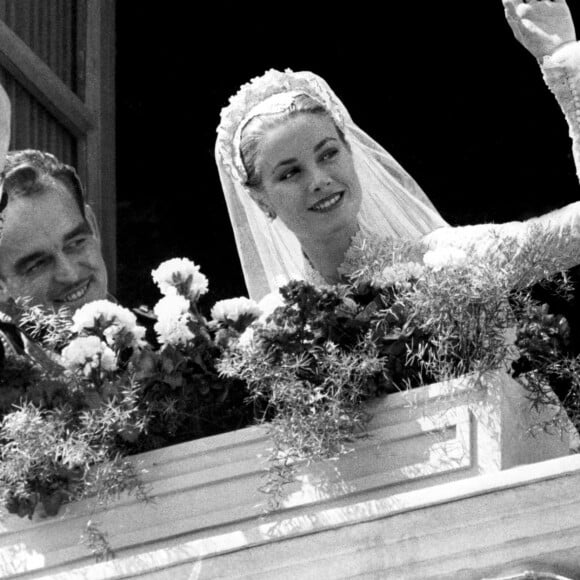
{"type": "Point", "coordinates": [249, 102]}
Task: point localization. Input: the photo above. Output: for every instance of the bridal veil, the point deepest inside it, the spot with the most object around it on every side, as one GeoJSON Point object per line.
{"type": "Point", "coordinates": [393, 204]}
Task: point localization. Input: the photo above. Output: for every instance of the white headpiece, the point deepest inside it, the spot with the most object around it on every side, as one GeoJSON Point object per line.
{"type": "Point", "coordinates": [392, 204]}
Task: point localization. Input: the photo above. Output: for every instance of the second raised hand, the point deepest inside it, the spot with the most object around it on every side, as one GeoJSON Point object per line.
{"type": "Point", "coordinates": [541, 26]}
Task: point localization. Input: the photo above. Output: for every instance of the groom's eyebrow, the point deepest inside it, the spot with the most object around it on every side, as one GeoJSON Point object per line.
{"type": "Point", "coordinates": [317, 148]}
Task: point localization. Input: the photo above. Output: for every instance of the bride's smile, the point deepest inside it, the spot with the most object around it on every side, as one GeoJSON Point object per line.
{"type": "Point", "coordinates": [328, 203]}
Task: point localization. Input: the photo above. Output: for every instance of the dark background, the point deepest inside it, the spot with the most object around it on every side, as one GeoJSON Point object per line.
{"type": "Point", "coordinates": [444, 87]}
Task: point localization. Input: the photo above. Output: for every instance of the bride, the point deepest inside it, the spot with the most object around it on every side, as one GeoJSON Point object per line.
{"type": "Point", "coordinates": [302, 180]}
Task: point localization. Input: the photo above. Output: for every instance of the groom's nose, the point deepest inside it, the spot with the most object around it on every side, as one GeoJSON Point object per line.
{"type": "Point", "coordinates": [65, 270]}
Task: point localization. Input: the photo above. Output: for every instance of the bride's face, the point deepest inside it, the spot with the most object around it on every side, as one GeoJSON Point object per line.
{"type": "Point", "coordinates": [308, 177]}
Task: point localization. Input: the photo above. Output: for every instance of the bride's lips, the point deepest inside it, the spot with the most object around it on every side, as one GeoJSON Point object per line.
{"type": "Point", "coordinates": [74, 293]}
{"type": "Point", "coordinates": [327, 203]}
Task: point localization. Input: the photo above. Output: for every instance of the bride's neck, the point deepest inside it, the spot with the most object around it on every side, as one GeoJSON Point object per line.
{"type": "Point", "coordinates": [326, 255]}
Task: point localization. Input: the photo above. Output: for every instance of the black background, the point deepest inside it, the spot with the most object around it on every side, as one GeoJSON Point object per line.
{"type": "Point", "coordinates": [443, 86]}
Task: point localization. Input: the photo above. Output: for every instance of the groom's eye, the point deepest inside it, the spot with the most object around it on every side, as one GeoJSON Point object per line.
{"type": "Point", "coordinates": [77, 243]}
{"type": "Point", "coordinates": [34, 267]}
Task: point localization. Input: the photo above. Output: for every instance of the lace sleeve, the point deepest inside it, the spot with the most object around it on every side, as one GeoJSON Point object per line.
{"type": "Point", "coordinates": [561, 73]}
{"type": "Point", "coordinates": [552, 240]}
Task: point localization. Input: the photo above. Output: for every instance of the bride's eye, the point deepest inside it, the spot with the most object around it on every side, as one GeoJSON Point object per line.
{"type": "Point", "coordinates": [329, 154]}
{"type": "Point", "coordinates": [288, 174]}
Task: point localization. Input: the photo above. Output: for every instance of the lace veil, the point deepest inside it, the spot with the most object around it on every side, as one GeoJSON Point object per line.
{"type": "Point", "coordinates": [393, 204]}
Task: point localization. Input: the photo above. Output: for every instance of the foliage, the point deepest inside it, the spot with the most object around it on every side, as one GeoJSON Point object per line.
{"type": "Point", "coordinates": [395, 323]}
{"type": "Point", "coordinates": [549, 362]}
{"type": "Point", "coordinates": [62, 430]}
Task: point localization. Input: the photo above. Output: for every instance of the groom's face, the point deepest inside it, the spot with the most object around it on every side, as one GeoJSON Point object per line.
{"type": "Point", "coordinates": [48, 251]}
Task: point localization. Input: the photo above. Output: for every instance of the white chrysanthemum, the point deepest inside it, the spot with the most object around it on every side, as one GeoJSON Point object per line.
{"type": "Point", "coordinates": [446, 257]}
{"type": "Point", "coordinates": [180, 276]}
{"type": "Point", "coordinates": [119, 324]}
{"type": "Point", "coordinates": [173, 316]}
{"type": "Point", "coordinates": [246, 339]}
{"type": "Point", "coordinates": [233, 309]}
{"type": "Point", "coordinates": [89, 352]}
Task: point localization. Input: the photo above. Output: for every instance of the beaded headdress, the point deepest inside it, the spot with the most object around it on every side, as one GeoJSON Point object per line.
{"type": "Point", "coordinates": [265, 95]}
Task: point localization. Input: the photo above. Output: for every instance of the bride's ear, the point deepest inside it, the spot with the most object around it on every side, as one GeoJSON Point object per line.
{"type": "Point", "coordinates": [261, 198]}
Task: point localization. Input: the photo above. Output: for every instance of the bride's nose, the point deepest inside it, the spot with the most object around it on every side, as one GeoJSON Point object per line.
{"type": "Point", "coordinates": [320, 180]}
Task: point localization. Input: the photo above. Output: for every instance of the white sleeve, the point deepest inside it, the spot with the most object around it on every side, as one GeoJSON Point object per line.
{"type": "Point", "coordinates": [554, 237]}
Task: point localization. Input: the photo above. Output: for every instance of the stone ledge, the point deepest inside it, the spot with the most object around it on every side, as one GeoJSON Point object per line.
{"type": "Point", "coordinates": [207, 489]}
{"type": "Point", "coordinates": [539, 494]}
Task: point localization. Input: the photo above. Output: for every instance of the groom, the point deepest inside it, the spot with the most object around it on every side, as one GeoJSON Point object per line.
{"type": "Point", "coordinates": [49, 246]}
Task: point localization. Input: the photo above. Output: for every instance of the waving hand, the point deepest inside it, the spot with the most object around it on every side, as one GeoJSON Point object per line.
{"type": "Point", "coordinates": [540, 25]}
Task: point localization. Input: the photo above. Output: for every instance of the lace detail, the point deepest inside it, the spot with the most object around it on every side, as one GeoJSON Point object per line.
{"type": "Point", "coordinates": [313, 276]}
{"type": "Point", "coordinates": [367, 256]}
{"type": "Point", "coordinates": [249, 102]}
{"type": "Point", "coordinates": [536, 248]}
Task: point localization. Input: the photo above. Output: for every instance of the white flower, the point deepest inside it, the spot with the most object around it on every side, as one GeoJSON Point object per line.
{"type": "Point", "coordinates": [119, 324]}
{"type": "Point", "coordinates": [89, 352]}
{"type": "Point", "coordinates": [234, 309]}
{"type": "Point", "coordinates": [445, 257]}
{"type": "Point", "coordinates": [246, 338]}
{"type": "Point", "coordinates": [180, 276]}
{"type": "Point", "coordinates": [173, 316]}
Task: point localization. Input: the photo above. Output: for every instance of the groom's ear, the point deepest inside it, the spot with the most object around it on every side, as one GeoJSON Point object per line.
{"type": "Point", "coordinates": [4, 291]}
{"type": "Point", "coordinates": [92, 221]}
{"type": "Point", "coordinates": [5, 113]}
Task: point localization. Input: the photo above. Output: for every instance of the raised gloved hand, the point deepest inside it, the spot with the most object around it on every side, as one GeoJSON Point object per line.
{"type": "Point", "coordinates": [542, 26]}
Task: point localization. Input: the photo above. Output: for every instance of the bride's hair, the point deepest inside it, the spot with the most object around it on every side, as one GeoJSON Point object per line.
{"type": "Point", "coordinates": [257, 127]}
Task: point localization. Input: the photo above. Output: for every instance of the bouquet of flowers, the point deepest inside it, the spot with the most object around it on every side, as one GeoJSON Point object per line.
{"type": "Point", "coordinates": [183, 391]}
{"type": "Point", "coordinates": [64, 423]}
{"type": "Point", "coordinates": [86, 391]}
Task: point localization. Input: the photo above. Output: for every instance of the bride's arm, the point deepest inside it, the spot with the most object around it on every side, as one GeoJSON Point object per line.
{"type": "Point", "coordinates": [554, 236]}
{"type": "Point", "coordinates": [546, 29]}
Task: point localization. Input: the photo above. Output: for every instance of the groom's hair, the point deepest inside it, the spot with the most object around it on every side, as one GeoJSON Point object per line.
{"type": "Point", "coordinates": [28, 171]}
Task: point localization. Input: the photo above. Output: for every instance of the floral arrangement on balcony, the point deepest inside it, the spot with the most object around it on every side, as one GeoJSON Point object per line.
{"type": "Point", "coordinates": [397, 323]}
{"type": "Point", "coordinates": [82, 394]}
